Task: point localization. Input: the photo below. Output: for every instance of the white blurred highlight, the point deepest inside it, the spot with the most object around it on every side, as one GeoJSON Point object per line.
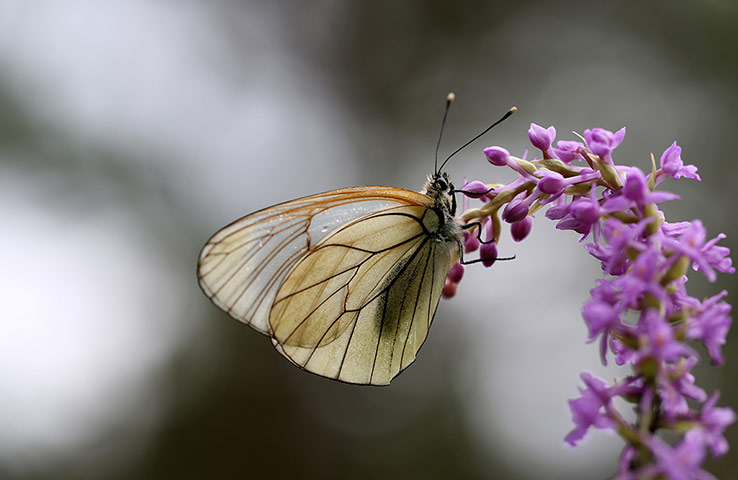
{"type": "Point", "coordinates": [89, 313]}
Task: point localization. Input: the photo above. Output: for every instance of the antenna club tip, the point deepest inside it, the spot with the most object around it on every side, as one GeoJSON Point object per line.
{"type": "Point", "coordinates": [513, 109]}
{"type": "Point", "coordinates": [450, 97]}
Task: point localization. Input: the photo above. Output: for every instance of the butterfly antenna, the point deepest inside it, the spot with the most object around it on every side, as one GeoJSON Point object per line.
{"type": "Point", "coordinates": [504, 117]}
{"type": "Point", "coordinates": [449, 98]}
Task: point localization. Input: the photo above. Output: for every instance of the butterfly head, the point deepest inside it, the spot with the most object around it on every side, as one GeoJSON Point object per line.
{"type": "Point", "coordinates": [438, 184]}
{"type": "Point", "coordinates": [441, 190]}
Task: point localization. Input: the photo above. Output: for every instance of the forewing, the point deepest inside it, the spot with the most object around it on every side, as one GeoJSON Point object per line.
{"type": "Point", "coordinates": [243, 265]}
{"type": "Point", "coordinates": [359, 307]}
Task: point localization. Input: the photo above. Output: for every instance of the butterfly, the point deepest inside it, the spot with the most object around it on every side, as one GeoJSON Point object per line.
{"type": "Point", "coordinates": [345, 283]}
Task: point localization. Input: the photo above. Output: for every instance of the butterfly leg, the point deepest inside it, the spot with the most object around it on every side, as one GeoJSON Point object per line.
{"type": "Point", "coordinates": [458, 190]}
{"type": "Point", "coordinates": [479, 232]}
{"type": "Point", "coordinates": [498, 259]}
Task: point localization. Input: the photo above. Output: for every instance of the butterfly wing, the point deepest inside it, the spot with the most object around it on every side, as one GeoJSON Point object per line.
{"type": "Point", "coordinates": [360, 314]}
{"type": "Point", "coordinates": [242, 265]}
{"type": "Point", "coordinates": [345, 282]}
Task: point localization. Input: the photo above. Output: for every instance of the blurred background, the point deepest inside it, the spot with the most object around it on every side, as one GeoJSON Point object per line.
{"type": "Point", "coordinates": [131, 131]}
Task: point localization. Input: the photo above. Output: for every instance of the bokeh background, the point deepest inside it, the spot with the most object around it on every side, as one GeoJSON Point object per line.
{"type": "Point", "coordinates": [131, 131]}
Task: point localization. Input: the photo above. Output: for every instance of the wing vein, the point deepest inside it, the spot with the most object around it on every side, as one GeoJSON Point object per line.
{"type": "Point", "coordinates": [415, 307]}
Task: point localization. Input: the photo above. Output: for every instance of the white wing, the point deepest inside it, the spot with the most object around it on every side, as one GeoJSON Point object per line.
{"type": "Point", "coordinates": [243, 265]}
{"type": "Point", "coordinates": [359, 314]}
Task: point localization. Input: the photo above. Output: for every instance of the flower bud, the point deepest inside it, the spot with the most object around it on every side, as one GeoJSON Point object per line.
{"type": "Point", "coordinates": [497, 156]}
{"type": "Point", "coordinates": [552, 183]}
{"type": "Point", "coordinates": [449, 289]}
{"type": "Point", "coordinates": [515, 211]}
{"type": "Point", "coordinates": [456, 272]}
{"type": "Point", "coordinates": [478, 188]}
{"type": "Point", "coordinates": [540, 137]}
{"type": "Point", "coordinates": [471, 242]}
{"type": "Point", "coordinates": [520, 230]}
{"type": "Point", "coordinates": [488, 254]}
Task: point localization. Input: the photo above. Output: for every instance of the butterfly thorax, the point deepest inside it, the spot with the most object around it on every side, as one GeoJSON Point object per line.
{"type": "Point", "coordinates": [440, 219]}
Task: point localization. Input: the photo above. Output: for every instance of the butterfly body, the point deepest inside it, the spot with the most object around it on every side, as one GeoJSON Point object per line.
{"type": "Point", "coordinates": [345, 283]}
{"type": "Point", "coordinates": [444, 227]}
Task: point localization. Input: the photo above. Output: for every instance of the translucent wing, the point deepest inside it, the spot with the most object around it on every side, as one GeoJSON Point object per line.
{"type": "Point", "coordinates": [358, 307]}
{"type": "Point", "coordinates": [242, 265]}
{"type": "Point", "coordinates": [345, 282]}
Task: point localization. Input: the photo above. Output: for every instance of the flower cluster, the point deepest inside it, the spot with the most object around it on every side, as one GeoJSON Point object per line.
{"type": "Point", "coordinates": [640, 313]}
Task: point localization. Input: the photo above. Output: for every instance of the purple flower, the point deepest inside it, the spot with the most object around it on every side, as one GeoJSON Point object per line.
{"type": "Point", "coordinates": [711, 324]}
{"type": "Point", "coordinates": [706, 257]}
{"type": "Point", "coordinates": [674, 229]}
{"type": "Point", "coordinates": [601, 318]}
{"type": "Point", "coordinates": [571, 223]}
{"type": "Point", "coordinates": [680, 302]}
{"type": "Point", "coordinates": [714, 421]}
{"type": "Point", "coordinates": [657, 340]}
{"type": "Point", "coordinates": [602, 142]}
{"type": "Point", "coordinates": [639, 280]}
{"type": "Point", "coordinates": [623, 353]}
{"type": "Point", "coordinates": [677, 384]}
{"type": "Point", "coordinates": [558, 210]}
{"type": "Point", "coordinates": [605, 292]}
{"type": "Point", "coordinates": [567, 151]}
{"type": "Point", "coordinates": [586, 410]}
{"type": "Point", "coordinates": [672, 164]}
{"type": "Point", "coordinates": [622, 239]}
{"type": "Point", "coordinates": [541, 138]}
{"type": "Point", "coordinates": [642, 313]}
{"type": "Point", "coordinates": [717, 256]}
{"type": "Point", "coordinates": [497, 156]}
{"type": "Point", "coordinates": [636, 193]}
{"type": "Point", "coordinates": [585, 211]}
{"type": "Point", "coordinates": [681, 462]}
{"type": "Point", "coordinates": [620, 235]}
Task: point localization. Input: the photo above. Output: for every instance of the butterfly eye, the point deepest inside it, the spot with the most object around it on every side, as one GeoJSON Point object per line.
{"type": "Point", "coordinates": [441, 184]}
